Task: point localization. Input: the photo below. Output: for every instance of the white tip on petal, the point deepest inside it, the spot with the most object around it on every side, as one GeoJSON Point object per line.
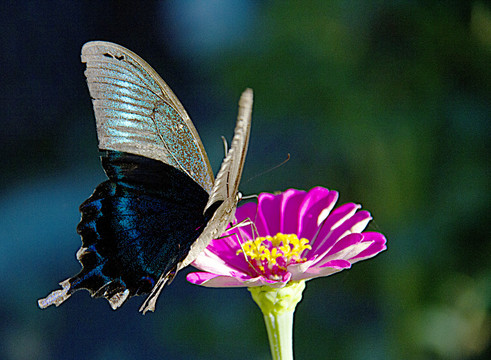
{"type": "Point", "coordinates": [346, 217]}
{"type": "Point", "coordinates": [359, 227]}
{"type": "Point", "coordinates": [347, 253]}
{"type": "Point", "coordinates": [300, 268]}
{"type": "Point", "coordinates": [323, 215]}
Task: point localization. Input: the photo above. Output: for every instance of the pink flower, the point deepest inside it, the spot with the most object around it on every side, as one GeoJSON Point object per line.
{"type": "Point", "coordinates": [296, 235]}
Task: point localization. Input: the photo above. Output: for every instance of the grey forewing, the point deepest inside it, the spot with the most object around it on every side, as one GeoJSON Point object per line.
{"type": "Point", "coordinates": [227, 181]}
{"type": "Point", "coordinates": [226, 185]}
{"type": "Point", "coordinates": [136, 112]}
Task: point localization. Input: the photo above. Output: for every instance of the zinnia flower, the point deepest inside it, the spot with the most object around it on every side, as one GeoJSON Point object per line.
{"type": "Point", "coordinates": [284, 240]}
{"type": "Point", "coordinates": [296, 236]}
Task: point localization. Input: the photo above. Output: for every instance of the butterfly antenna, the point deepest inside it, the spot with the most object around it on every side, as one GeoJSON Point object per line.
{"type": "Point", "coordinates": [252, 196]}
{"type": "Point", "coordinates": [269, 170]}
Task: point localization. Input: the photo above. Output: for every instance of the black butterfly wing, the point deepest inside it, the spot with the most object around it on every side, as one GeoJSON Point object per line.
{"type": "Point", "coordinates": [136, 226]}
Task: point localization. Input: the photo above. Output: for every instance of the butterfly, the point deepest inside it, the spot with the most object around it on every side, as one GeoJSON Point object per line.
{"type": "Point", "coordinates": [160, 206]}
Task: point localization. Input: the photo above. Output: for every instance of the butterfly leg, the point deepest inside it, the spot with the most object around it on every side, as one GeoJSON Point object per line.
{"type": "Point", "coordinates": [243, 223]}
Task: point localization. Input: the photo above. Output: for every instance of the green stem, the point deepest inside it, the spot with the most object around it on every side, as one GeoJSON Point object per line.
{"type": "Point", "coordinates": [280, 335]}
{"type": "Point", "coordinates": [278, 307]}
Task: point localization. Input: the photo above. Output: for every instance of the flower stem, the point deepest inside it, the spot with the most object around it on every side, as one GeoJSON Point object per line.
{"type": "Point", "coordinates": [280, 335]}
{"type": "Point", "coordinates": [278, 306]}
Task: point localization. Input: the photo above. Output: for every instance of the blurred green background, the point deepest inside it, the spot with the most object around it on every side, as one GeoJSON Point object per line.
{"type": "Point", "coordinates": [387, 102]}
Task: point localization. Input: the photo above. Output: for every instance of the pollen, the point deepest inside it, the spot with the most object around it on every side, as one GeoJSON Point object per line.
{"type": "Point", "coordinates": [270, 255]}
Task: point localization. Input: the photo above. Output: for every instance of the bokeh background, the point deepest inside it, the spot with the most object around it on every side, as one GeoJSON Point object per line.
{"type": "Point", "coordinates": [386, 101]}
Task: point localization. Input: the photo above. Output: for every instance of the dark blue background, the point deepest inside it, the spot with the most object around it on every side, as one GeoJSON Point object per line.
{"type": "Point", "coordinates": [387, 102]}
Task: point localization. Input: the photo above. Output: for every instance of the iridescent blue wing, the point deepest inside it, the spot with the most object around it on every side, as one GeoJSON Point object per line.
{"type": "Point", "coordinates": [135, 226]}
{"type": "Point", "coordinates": [136, 112]}
{"type": "Point", "coordinates": [220, 208]}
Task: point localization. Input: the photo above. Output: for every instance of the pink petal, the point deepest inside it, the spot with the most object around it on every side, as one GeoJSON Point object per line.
{"type": "Point", "coordinates": [318, 200]}
{"type": "Point", "coordinates": [329, 268]}
{"type": "Point", "coordinates": [346, 253]}
{"type": "Point", "coordinates": [246, 211]}
{"type": "Point", "coordinates": [324, 239]}
{"type": "Point", "coordinates": [214, 280]}
{"type": "Point", "coordinates": [340, 214]}
{"type": "Point", "coordinates": [378, 244]}
{"type": "Point", "coordinates": [268, 214]}
{"type": "Point", "coordinates": [331, 201]}
{"type": "Point", "coordinates": [291, 200]}
{"type": "Point", "coordinates": [261, 219]}
{"type": "Point", "coordinates": [219, 258]}
{"type": "Point", "coordinates": [337, 264]}
{"type": "Point", "coordinates": [360, 221]}
{"type": "Point", "coordinates": [345, 242]}
{"type": "Point", "coordinates": [355, 224]}
{"type": "Point", "coordinates": [227, 245]}
{"type": "Point", "coordinates": [243, 213]}
{"type": "Point", "coordinates": [349, 221]}
{"type": "Point", "coordinates": [199, 278]}
{"type": "Point", "coordinates": [297, 269]}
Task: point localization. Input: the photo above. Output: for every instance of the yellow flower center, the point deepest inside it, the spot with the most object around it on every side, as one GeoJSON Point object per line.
{"type": "Point", "coordinates": [270, 255]}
